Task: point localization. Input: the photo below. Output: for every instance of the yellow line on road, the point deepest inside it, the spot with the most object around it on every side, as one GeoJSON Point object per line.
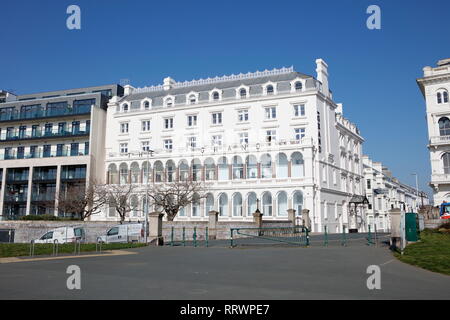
{"type": "Point", "coordinates": [105, 254]}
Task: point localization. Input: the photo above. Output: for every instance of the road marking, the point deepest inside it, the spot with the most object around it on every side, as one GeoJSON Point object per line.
{"type": "Point", "coordinates": [387, 262]}
{"type": "Point", "coordinates": [106, 254]}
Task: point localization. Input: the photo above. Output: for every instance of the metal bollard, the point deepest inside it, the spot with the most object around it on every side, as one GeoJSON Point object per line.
{"type": "Point", "coordinates": [207, 237]}
{"type": "Point", "coordinates": [55, 247]}
{"type": "Point", "coordinates": [344, 240]}
{"type": "Point", "coordinates": [98, 245]}
{"type": "Point", "coordinates": [325, 243]}
{"type": "Point", "coordinates": [171, 238]}
{"type": "Point", "coordinates": [369, 237]}
{"type": "Point", "coordinates": [195, 237]}
{"type": "Point", "coordinates": [231, 238]}
{"type": "Point", "coordinates": [32, 248]}
{"type": "Point", "coordinates": [184, 236]}
{"type": "Point", "coordinates": [307, 236]}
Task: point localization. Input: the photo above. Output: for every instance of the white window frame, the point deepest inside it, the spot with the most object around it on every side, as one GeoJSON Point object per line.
{"type": "Point", "coordinates": [194, 120]}
{"type": "Point", "coordinates": [124, 125]}
{"type": "Point", "coordinates": [168, 144]}
{"type": "Point", "coordinates": [144, 126]}
{"type": "Point", "coordinates": [299, 110]}
{"type": "Point", "coordinates": [168, 122]}
{"type": "Point", "coordinates": [244, 113]}
{"type": "Point", "coordinates": [165, 101]}
{"type": "Point", "coordinates": [189, 95]}
{"type": "Point", "coordinates": [123, 147]}
{"type": "Point", "coordinates": [266, 85]}
{"type": "Point", "coordinates": [238, 92]}
{"type": "Point", "coordinates": [149, 104]}
{"type": "Point", "coordinates": [211, 94]}
{"type": "Point", "coordinates": [270, 115]}
{"type": "Point", "coordinates": [217, 118]}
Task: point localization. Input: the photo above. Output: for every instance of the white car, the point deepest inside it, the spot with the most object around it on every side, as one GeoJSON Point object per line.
{"type": "Point", "coordinates": [123, 233]}
{"type": "Point", "coordinates": [63, 235]}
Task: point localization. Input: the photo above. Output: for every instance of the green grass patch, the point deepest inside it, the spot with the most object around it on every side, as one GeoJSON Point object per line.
{"type": "Point", "coordinates": [431, 253]}
{"type": "Point", "coordinates": [23, 249]}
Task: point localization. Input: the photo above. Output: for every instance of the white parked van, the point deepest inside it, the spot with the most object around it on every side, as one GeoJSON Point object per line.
{"type": "Point", "coordinates": [130, 232]}
{"type": "Point", "coordinates": [63, 235]}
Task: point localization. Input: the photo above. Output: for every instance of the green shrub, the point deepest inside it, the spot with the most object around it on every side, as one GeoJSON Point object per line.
{"type": "Point", "coordinates": [445, 225]}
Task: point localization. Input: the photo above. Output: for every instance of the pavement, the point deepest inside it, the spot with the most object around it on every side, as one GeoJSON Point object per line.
{"type": "Point", "coordinates": [220, 272]}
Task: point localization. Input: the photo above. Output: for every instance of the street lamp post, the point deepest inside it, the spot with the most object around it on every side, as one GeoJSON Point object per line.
{"type": "Point", "coordinates": [417, 189]}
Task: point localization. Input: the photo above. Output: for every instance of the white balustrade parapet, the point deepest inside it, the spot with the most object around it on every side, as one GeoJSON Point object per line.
{"type": "Point", "coordinates": [440, 140]}
{"type": "Point", "coordinates": [232, 77]}
{"type": "Point", "coordinates": [440, 177]}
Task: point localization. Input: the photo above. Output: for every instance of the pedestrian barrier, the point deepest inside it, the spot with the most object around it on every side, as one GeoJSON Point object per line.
{"type": "Point", "coordinates": [184, 237]}
{"type": "Point", "coordinates": [297, 235]}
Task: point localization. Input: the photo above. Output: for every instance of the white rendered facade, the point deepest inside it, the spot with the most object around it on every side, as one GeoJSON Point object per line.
{"type": "Point", "coordinates": [435, 87]}
{"type": "Point", "coordinates": [385, 192]}
{"type": "Point", "coordinates": [276, 136]}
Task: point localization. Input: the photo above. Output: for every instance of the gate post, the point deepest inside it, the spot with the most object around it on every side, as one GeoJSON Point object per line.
{"type": "Point", "coordinates": [212, 228]}
{"type": "Point", "coordinates": [257, 219]}
{"type": "Point", "coordinates": [291, 216]}
{"type": "Point", "coordinates": [155, 228]}
{"type": "Point", "coordinates": [306, 220]}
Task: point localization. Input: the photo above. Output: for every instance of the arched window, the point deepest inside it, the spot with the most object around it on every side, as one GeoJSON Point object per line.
{"type": "Point", "coordinates": [267, 204]}
{"type": "Point", "coordinates": [184, 170]}
{"type": "Point", "coordinates": [196, 205]}
{"type": "Point", "coordinates": [209, 203]}
{"type": "Point", "coordinates": [297, 168]}
{"type": "Point", "coordinates": [298, 86]}
{"type": "Point", "coordinates": [134, 205]}
{"type": "Point", "coordinates": [444, 126]}
{"type": "Point", "coordinates": [145, 172]}
{"type": "Point", "coordinates": [238, 168]}
{"type": "Point", "coordinates": [196, 170]}
{"type": "Point", "coordinates": [269, 89]}
{"type": "Point", "coordinates": [146, 105]}
{"type": "Point", "coordinates": [282, 165]}
{"type": "Point", "coordinates": [210, 169]}
{"type": "Point", "coordinates": [170, 171]}
{"type": "Point", "coordinates": [243, 93]}
{"type": "Point", "coordinates": [125, 107]}
{"type": "Point", "coordinates": [252, 167]}
{"type": "Point", "coordinates": [134, 172]}
{"type": "Point", "coordinates": [266, 166]}
{"type": "Point", "coordinates": [112, 174]}
{"type": "Point", "coordinates": [282, 204]}
{"type": "Point", "coordinates": [159, 171]}
{"type": "Point", "coordinates": [223, 205]}
{"type": "Point", "coordinates": [216, 95]}
{"type": "Point", "coordinates": [237, 205]}
{"type": "Point", "coordinates": [445, 96]}
{"type": "Point", "coordinates": [223, 168]}
{"type": "Point", "coordinates": [297, 200]}
{"type": "Point", "coordinates": [123, 173]}
{"type": "Point", "coordinates": [439, 97]}
{"type": "Point", "coordinates": [446, 161]}
{"type": "Point", "coordinates": [169, 102]}
{"type": "Point", "coordinates": [251, 204]}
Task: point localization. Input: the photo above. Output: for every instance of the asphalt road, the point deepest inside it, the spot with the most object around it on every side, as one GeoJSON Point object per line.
{"type": "Point", "coordinates": [223, 273]}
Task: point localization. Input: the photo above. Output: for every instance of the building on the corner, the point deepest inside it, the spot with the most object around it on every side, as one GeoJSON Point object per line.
{"type": "Point", "coordinates": [276, 138]}
{"type": "Point", "coordinates": [435, 87]}
{"type": "Point", "coordinates": [385, 192]}
{"type": "Point", "coordinates": [49, 141]}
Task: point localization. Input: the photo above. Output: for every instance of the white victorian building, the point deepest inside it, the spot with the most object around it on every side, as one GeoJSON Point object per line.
{"type": "Point", "coordinates": [275, 138]}
{"type": "Point", "coordinates": [435, 86]}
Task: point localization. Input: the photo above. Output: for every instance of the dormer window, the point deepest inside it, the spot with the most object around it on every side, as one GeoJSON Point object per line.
{"type": "Point", "coordinates": [125, 107]}
{"type": "Point", "coordinates": [146, 105]}
{"type": "Point", "coordinates": [298, 86]}
{"type": "Point", "coordinates": [168, 101]}
{"type": "Point", "coordinates": [269, 89]}
{"type": "Point", "coordinates": [216, 95]}
{"type": "Point", "coordinates": [243, 93]}
{"type": "Point", "coordinates": [192, 99]}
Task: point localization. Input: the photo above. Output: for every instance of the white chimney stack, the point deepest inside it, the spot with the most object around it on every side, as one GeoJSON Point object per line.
{"type": "Point", "coordinates": [322, 76]}
{"type": "Point", "coordinates": [168, 83]}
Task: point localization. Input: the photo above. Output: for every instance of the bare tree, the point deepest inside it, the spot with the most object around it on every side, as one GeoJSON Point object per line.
{"type": "Point", "coordinates": [170, 197]}
{"type": "Point", "coordinates": [119, 198]}
{"type": "Point", "coordinates": [82, 201]}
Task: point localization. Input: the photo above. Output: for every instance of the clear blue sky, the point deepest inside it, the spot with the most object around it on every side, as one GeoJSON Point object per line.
{"type": "Point", "coordinates": [372, 72]}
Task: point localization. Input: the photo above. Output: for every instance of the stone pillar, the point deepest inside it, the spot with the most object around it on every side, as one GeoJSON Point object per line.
{"type": "Point", "coordinates": [212, 226]}
{"type": "Point", "coordinates": [155, 228]}
{"type": "Point", "coordinates": [291, 216]}
{"type": "Point", "coordinates": [257, 218]}
{"type": "Point", "coordinates": [306, 219]}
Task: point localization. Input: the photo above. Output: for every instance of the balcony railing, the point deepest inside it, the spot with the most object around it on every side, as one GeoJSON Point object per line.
{"type": "Point", "coordinates": [42, 154]}
{"type": "Point", "coordinates": [21, 197]}
{"type": "Point", "coordinates": [43, 197]}
{"type": "Point", "coordinates": [17, 115]}
{"type": "Point", "coordinates": [440, 140]}
{"type": "Point", "coordinates": [41, 134]}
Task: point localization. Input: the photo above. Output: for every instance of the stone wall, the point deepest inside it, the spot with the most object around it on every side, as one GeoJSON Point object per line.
{"type": "Point", "coordinates": [25, 231]}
